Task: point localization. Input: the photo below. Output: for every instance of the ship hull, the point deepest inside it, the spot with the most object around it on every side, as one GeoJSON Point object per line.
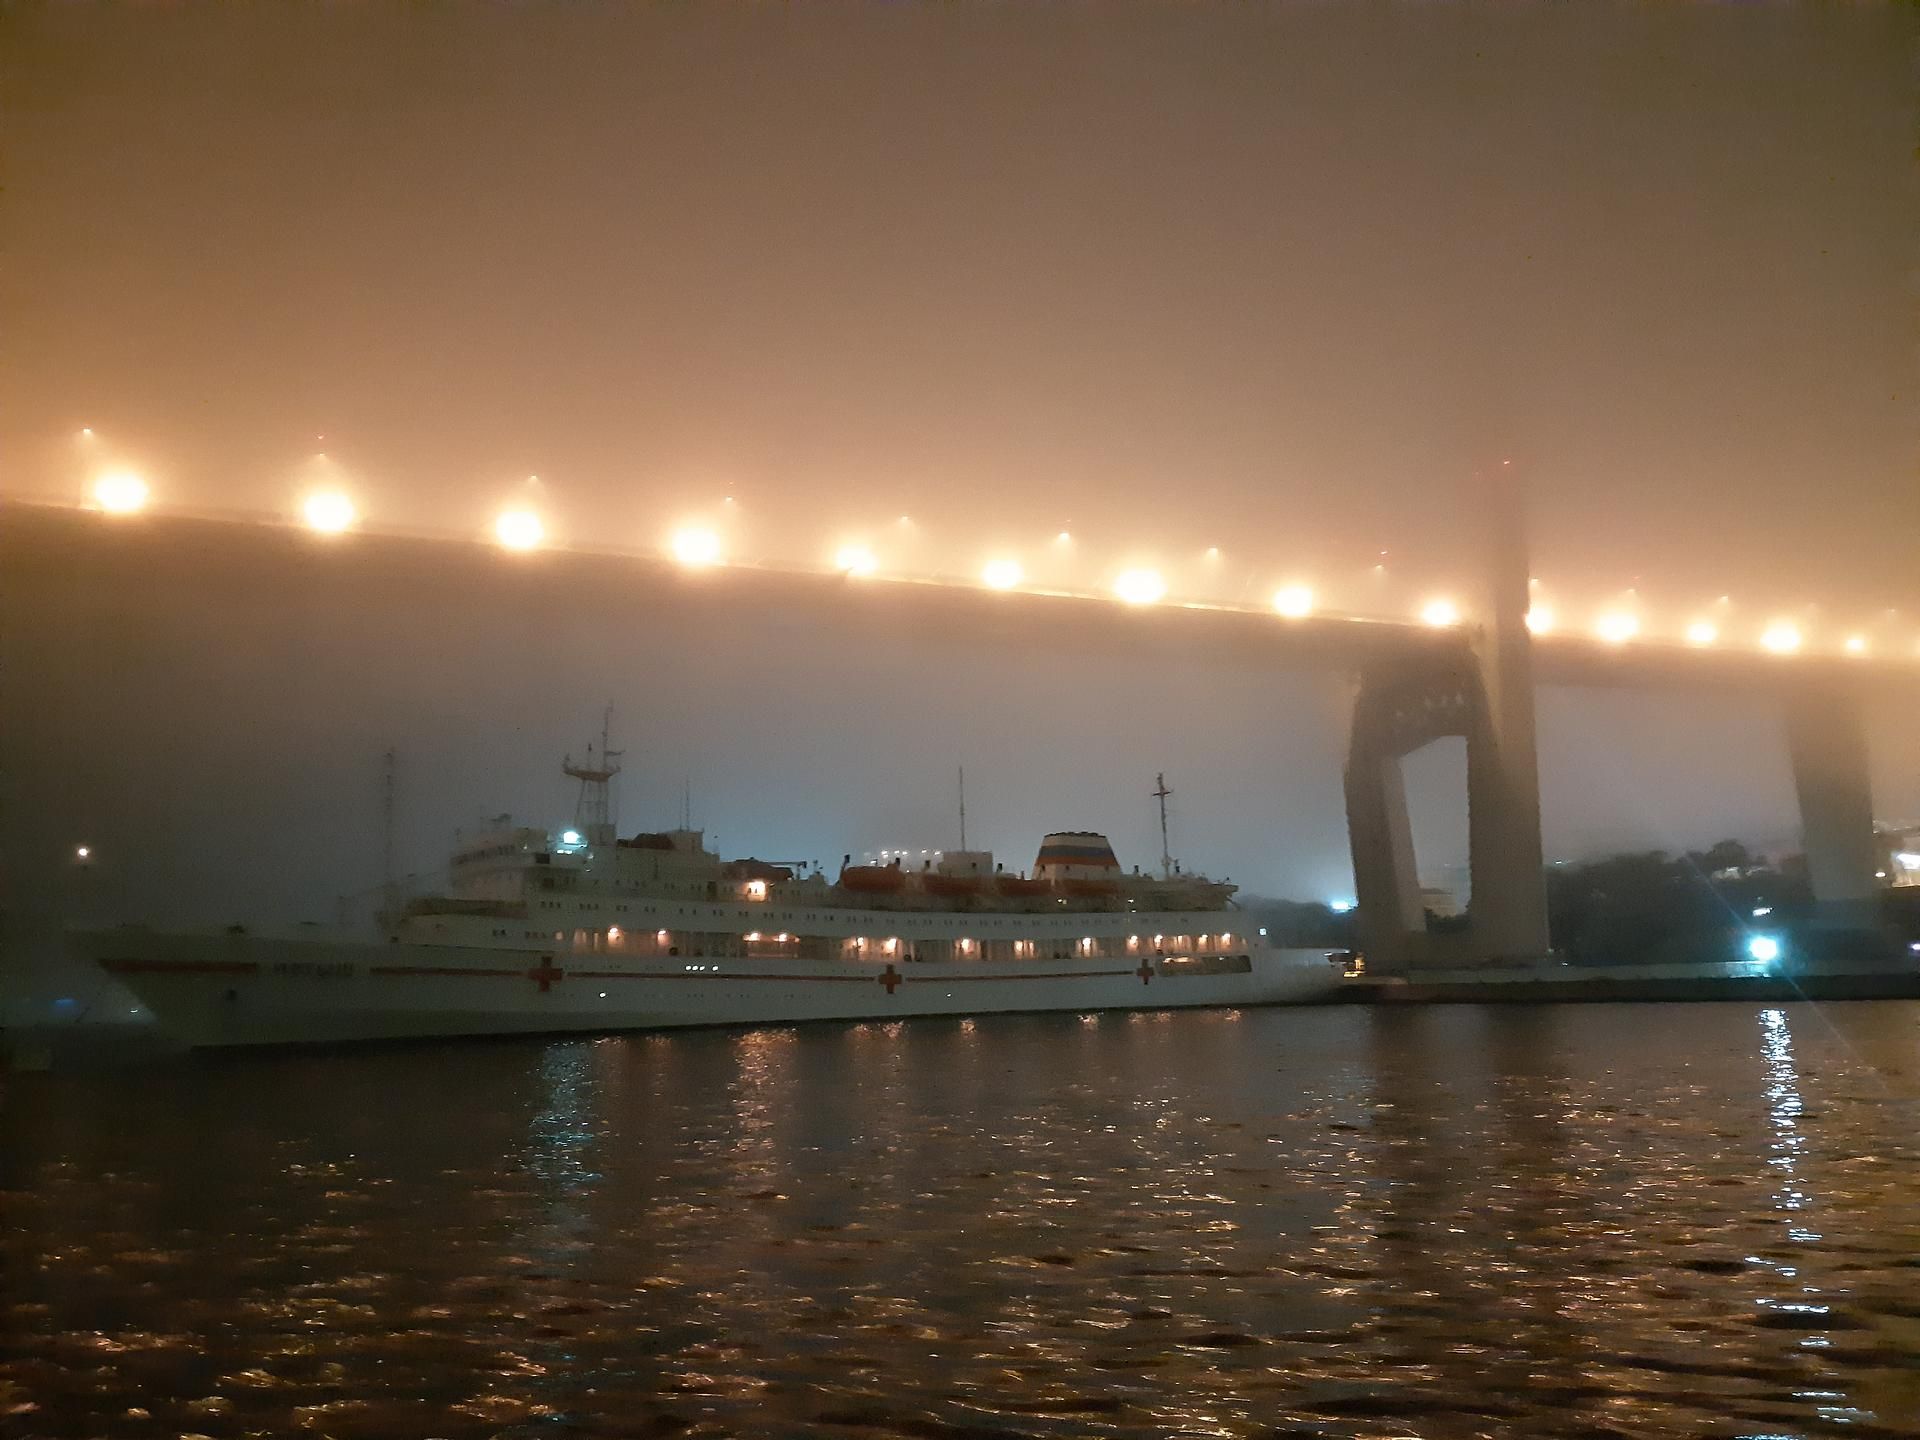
{"type": "Point", "coordinates": [238, 990]}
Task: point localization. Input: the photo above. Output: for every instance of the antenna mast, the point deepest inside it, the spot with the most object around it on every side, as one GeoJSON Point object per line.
{"type": "Point", "coordinates": [593, 814]}
{"type": "Point", "coordinates": [1160, 793]}
{"type": "Point", "coordinates": [963, 807]}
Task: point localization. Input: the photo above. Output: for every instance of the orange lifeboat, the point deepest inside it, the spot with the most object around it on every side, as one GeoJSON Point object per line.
{"type": "Point", "coordinates": [873, 879]}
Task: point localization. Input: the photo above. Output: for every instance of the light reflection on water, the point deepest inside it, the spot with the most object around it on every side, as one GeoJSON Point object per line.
{"type": "Point", "coordinates": [1442, 1222]}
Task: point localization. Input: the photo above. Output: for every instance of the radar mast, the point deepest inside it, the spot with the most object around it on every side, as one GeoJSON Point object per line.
{"type": "Point", "coordinates": [1160, 793]}
{"type": "Point", "coordinates": [593, 813]}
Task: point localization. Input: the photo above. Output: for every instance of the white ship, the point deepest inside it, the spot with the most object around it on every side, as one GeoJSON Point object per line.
{"type": "Point", "coordinates": [584, 931]}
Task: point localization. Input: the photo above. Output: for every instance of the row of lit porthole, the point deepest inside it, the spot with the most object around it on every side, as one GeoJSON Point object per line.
{"type": "Point", "coordinates": [333, 512]}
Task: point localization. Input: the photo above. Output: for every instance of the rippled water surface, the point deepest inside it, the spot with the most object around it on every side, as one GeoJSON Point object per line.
{"type": "Point", "coordinates": [1583, 1220]}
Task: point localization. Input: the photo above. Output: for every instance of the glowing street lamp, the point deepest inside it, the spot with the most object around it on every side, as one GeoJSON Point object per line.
{"type": "Point", "coordinates": [1002, 574]}
{"type": "Point", "coordinates": [1617, 627]}
{"type": "Point", "coordinates": [1139, 587]}
{"type": "Point", "coordinates": [1540, 619]}
{"type": "Point", "coordinates": [855, 560]}
{"type": "Point", "coordinates": [329, 512]}
{"type": "Point", "coordinates": [1295, 602]}
{"type": "Point", "coordinates": [1856, 645]}
{"type": "Point", "coordinates": [1702, 633]}
{"type": "Point", "coordinates": [1780, 638]}
{"type": "Point", "coordinates": [519, 529]}
{"type": "Point", "coordinates": [1440, 614]}
{"type": "Point", "coordinates": [695, 547]}
{"type": "Point", "coordinates": [120, 492]}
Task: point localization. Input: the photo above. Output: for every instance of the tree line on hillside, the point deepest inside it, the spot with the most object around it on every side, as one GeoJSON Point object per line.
{"type": "Point", "coordinates": [1649, 906]}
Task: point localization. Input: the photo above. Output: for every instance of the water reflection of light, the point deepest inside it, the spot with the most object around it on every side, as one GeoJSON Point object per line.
{"type": "Point", "coordinates": [1784, 1108]}
{"type": "Point", "coordinates": [561, 1137]}
{"type": "Point", "coordinates": [765, 1060]}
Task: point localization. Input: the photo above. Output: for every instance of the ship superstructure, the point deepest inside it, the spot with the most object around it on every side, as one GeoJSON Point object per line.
{"type": "Point", "coordinates": [583, 929]}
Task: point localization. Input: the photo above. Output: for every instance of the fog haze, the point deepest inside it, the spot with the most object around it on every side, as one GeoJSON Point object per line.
{"type": "Point", "coordinates": [1272, 279]}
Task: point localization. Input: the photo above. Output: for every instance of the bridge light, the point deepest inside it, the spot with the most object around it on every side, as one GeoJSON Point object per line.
{"type": "Point", "coordinates": [1702, 632]}
{"type": "Point", "coordinates": [1139, 587]}
{"type": "Point", "coordinates": [519, 529]}
{"type": "Point", "coordinates": [695, 547]}
{"type": "Point", "coordinates": [1293, 601]}
{"type": "Point", "coordinates": [1856, 645]}
{"type": "Point", "coordinates": [1002, 574]}
{"type": "Point", "coordinates": [329, 512]}
{"type": "Point", "coordinates": [120, 492]}
{"type": "Point", "coordinates": [855, 560]}
{"type": "Point", "coordinates": [1540, 619]}
{"type": "Point", "coordinates": [1617, 627]}
{"type": "Point", "coordinates": [1780, 639]}
{"type": "Point", "coordinates": [1440, 614]}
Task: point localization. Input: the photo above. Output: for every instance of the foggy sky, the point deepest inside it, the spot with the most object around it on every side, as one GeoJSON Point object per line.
{"type": "Point", "coordinates": [1269, 278]}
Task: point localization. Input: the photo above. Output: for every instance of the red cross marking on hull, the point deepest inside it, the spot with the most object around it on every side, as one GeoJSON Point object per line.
{"type": "Point", "coordinates": [1145, 972]}
{"type": "Point", "coordinates": [890, 978]}
{"type": "Point", "coordinates": [546, 973]}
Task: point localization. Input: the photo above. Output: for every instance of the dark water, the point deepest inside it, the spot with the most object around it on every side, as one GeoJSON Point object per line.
{"type": "Point", "coordinates": [1524, 1221]}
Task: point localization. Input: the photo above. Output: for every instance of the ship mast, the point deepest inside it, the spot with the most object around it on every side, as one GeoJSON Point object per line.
{"type": "Point", "coordinates": [1160, 793]}
{"type": "Point", "coordinates": [963, 809]}
{"type": "Point", "coordinates": [593, 814]}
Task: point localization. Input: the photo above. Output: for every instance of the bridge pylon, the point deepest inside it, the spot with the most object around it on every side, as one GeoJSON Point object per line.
{"type": "Point", "coordinates": [1482, 692]}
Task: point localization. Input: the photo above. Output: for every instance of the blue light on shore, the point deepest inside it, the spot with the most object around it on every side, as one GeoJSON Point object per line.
{"type": "Point", "coordinates": [1340, 907]}
{"type": "Point", "coordinates": [1764, 948]}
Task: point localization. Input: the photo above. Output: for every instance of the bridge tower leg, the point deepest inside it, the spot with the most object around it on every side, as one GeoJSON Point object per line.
{"type": "Point", "coordinates": [1483, 693]}
{"type": "Point", "coordinates": [1506, 857]}
{"type": "Point", "coordinates": [1827, 744]}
